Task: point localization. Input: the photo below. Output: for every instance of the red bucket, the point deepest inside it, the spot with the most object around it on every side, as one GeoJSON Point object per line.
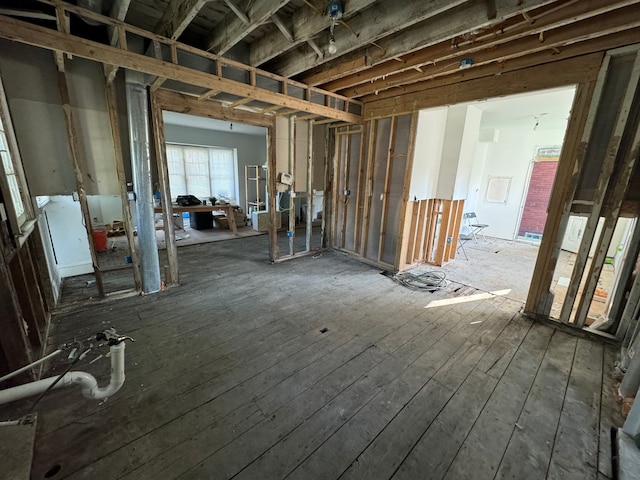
{"type": "Point", "coordinates": [100, 239]}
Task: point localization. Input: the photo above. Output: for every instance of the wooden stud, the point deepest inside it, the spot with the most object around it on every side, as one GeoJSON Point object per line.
{"type": "Point", "coordinates": [570, 163]}
{"type": "Point", "coordinates": [165, 190]}
{"type": "Point", "coordinates": [274, 249]}
{"type": "Point", "coordinates": [360, 194]}
{"type": "Point", "coordinates": [608, 165]}
{"type": "Point", "coordinates": [292, 169]}
{"type": "Point", "coordinates": [387, 188]}
{"type": "Point", "coordinates": [625, 170]}
{"type": "Point", "coordinates": [403, 230]}
{"type": "Point", "coordinates": [373, 135]}
{"type": "Point", "coordinates": [127, 216]}
{"type": "Point", "coordinates": [309, 185]}
{"type": "Point", "coordinates": [74, 148]}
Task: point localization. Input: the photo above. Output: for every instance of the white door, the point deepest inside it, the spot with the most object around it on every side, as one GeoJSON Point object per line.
{"type": "Point", "coordinates": [573, 235]}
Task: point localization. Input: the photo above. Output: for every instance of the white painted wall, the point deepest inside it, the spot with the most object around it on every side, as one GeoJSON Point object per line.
{"type": "Point", "coordinates": [451, 147]}
{"type": "Point", "coordinates": [427, 152]}
{"type": "Point", "coordinates": [104, 209]}
{"type": "Point", "coordinates": [468, 145]}
{"type": "Point", "coordinates": [511, 157]}
{"type": "Point", "coordinates": [68, 236]}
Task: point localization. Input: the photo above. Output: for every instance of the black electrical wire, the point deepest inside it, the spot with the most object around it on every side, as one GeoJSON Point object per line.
{"type": "Point", "coordinates": [430, 281]}
{"type": "Point", "coordinates": [50, 387]}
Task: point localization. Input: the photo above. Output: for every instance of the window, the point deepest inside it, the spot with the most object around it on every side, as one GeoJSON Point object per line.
{"type": "Point", "coordinates": [203, 171]}
{"type": "Point", "coordinates": [12, 180]}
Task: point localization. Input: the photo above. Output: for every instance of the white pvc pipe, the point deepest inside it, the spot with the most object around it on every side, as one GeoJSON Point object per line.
{"type": "Point", "coordinates": [86, 381]}
{"type": "Point", "coordinates": [27, 367]}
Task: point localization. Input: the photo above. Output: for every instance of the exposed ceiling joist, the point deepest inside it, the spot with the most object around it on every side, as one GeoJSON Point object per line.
{"type": "Point", "coordinates": [178, 16]}
{"type": "Point", "coordinates": [30, 34]}
{"type": "Point", "coordinates": [275, 18]}
{"type": "Point", "coordinates": [616, 21]}
{"type": "Point", "coordinates": [385, 19]}
{"type": "Point", "coordinates": [232, 30]}
{"type": "Point", "coordinates": [118, 11]}
{"type": "Point", "coordinates": [15, 12]}
{"type": "Point", "coordinates": [316, 48]}
{"type": "Point", "coordinates": [180, 103]}
{"type": "Point", "coordinates": [443, 28]}
{"type": "Point", "coordinates": [238, 11]}
{"type": "Point", "coordinates": [305, 24]}
{"type": "Point", "coordinates": [242, 101]}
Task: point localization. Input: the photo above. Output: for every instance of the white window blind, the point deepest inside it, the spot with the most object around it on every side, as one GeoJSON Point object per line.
{"type": "Point", "coordinates": [203, 171]}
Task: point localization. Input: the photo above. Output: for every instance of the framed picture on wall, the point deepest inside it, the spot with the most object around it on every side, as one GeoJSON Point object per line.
{"type": "Point", "coordinates": [498, 190]}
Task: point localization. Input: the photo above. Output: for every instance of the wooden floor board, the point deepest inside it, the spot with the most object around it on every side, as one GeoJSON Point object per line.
{"type": "Point", "coordinates": [231, 375]}
{"type": "Point", "coordinates": [575, 450]}
{"type": "Point", "coordinates": [529, 452]}
{"type": "Point", "coordinates": [482, 450]}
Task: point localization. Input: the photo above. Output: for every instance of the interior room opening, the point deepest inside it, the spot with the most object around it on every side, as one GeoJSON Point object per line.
{"type": "Point", "coordinates": [483, 173]}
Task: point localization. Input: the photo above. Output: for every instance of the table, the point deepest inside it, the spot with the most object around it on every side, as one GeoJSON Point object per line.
{"type": "Point", "coordinates": [227, 209]}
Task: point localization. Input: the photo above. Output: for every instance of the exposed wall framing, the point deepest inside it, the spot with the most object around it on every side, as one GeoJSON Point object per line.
{"type": "Point", "coordinates": [433, 229]}
{"type": "Point", "coordinates": [165, 64]}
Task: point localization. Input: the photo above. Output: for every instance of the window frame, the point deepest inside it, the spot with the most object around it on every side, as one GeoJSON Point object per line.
{"type": "Point", "coordinates": [21, 225]}
{"type": "Point", "coordinates": [209, 148]}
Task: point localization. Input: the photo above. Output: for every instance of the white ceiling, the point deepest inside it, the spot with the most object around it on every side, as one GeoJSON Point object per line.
{"type": "Point", "coordinates": [550, 109]}
{"type": "Point", "coordinates": [194, 121]}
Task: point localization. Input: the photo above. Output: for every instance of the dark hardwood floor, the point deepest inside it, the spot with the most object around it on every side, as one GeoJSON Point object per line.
{"type": "Point", "coordinates": [321, 368]}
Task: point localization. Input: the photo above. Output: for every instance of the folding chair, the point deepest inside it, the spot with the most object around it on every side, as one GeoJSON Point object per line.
{"type": "Point", "coordinates": [476, 227]}
{"type": "Point", "coordinates": [463, 237]}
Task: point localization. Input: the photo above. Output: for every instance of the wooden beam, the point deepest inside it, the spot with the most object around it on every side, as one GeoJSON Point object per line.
{"type": "Point", "coordinates": [15, 12]}
{"type": "Point", "coordinates": [312, 43]}
{"type": "Point", "coordinates": [242, 101]}
{"type": "Point", "coordinates": [384, 19]}
{"type": "Point", "coordinates": [45, 38]}
{"type": "Point", "coordinates": [232, 30]}
{"type": "Point", "coordinates": [171, 273]}
{"type": "Point", "coordinates": [539, 298]}
{"type": "Point", "coordinates": [499, 51]}
{"type": "Point", "coordinates": [434, 44]}
{"type": "Point", "coordinates": [177, 16]}
{"type": "Point", "coordinates": [554, 74]}
{"type": "Point", "coordinates": [275, 18]}
{"type": "Point", "coordinates": [274, 249]}
{"type": "Point", "coordinates": [404, 225]}
{"type": "Point", "coordinates": [208, 95]}
{"type": "Point", "coordinates": [239, 13]}
{"type": "Point", "coordinates": [180, 103]}
{"type": "Point", "coordinates": [306, 23]}
{"type": "Point", "coordinates": [607, 168]}
{"type": "Point", "coordinates": [127, 215]}
{"type": "Point", "coordinates": [118, 11]}
{"type": "Point", "coordinates": [498, 69]}
{"type": "Point", "coordinates": [74, 148]}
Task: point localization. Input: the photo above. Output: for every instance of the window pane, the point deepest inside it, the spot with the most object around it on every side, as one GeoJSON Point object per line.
{"type": "Point", "coordinates": [223, 174]}
{"type": "Point", "coordinates": [7, 163]}
{"type": "Point", "coordinates": [197, 170]}
{"type": "Point", "coordinates": [15, 194]}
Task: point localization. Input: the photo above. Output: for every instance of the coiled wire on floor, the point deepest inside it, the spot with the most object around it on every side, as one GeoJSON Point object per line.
{"type": "Point", "coordinates": [430, 281]}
